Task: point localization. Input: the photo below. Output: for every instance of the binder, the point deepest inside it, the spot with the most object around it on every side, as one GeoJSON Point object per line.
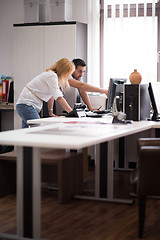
{"type": "Point", "coordinates": [5, 89]}
{"type": "Point", "coordinates": [1, 91]}
{"type": "Point", "coordinates": [11, 92]}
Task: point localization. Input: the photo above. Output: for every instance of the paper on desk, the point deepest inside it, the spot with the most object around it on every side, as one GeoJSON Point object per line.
{"type": "Point", "coordinates": [74, 130]}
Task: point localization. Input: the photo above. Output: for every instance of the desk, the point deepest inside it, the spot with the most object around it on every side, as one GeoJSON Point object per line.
{"type": "Point", "coordinates": [82, 134]}
{"type": "Point", "coordinates": [102, 191]}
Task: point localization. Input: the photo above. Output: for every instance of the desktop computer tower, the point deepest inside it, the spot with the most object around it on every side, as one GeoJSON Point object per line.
{"type": "Point", "coordinates": [136, 102]}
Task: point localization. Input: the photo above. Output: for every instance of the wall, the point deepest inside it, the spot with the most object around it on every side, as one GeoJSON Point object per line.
{"type": "Point", "coordinates": [158, 64]}
{"type": "Point", "coordinates": [11, 12]}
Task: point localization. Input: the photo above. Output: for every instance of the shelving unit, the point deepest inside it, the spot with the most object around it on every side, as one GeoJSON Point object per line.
{"type": "Point", "coordinates": [4, 109]}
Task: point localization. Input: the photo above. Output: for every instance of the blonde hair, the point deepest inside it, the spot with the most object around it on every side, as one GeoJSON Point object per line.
{"type": "Point", "coordinates": [63, 68]}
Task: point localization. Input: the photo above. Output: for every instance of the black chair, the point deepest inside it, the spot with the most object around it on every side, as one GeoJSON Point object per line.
{"type": "Point", "coordinates": [148, 175]}
{"type": "Point", "coordinates": [6, 148]}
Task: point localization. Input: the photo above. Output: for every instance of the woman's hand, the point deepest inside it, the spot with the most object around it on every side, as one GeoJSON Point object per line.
{"type": "Point", "coordinates": [51, 114]}
{"type": "Point", "coordinates": [64, 104]}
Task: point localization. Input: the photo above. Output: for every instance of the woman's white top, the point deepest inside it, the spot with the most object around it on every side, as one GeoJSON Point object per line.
{"type": "Point", "coordinates": [44, 86]}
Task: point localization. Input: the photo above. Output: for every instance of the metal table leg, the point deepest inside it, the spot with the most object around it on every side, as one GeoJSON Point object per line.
{"type": "Point", "coordinates": [28, 192]}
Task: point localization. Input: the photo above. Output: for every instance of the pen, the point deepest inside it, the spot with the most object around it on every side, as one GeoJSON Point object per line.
{"type": "Point", "coordinates": [99, 108]}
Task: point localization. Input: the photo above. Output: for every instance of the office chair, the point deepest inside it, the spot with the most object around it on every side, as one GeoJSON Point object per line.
{"type": "Point", "coordinates": [6, 148]}
{"type": "Point", "coordinates": [148, 175]}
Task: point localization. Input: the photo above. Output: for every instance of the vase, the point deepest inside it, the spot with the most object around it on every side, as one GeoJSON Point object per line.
{"type": "Point", "coordinates": [135, 77]}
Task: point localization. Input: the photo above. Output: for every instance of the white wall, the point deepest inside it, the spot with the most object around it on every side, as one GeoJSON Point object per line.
{"type": "Point", "coordinates": [11, 11]}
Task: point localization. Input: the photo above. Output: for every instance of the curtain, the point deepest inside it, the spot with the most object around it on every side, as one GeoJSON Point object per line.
{"type": "Point", "coordinates": [130, 39]}
{"type": "Point", "coordinates": [93, 69]}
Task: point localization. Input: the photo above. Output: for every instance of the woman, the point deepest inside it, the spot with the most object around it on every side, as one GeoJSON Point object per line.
{"type": "Point", "coordinates": [42, 88]}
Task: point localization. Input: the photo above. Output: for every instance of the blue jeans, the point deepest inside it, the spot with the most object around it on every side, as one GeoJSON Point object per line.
{"type": "Point", "coordinates": [26, 113]}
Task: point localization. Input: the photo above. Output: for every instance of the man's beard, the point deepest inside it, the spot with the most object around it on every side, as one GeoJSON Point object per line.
{"type": "Point", "coordinates": [75, 77]}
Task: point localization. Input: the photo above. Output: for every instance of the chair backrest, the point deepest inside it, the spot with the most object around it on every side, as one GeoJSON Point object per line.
{"type": "Point", "coordinates": [148, 142]}
{"type": "Point", "coordinates": [149, 167]}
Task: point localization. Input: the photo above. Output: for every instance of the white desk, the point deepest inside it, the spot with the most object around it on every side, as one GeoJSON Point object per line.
{"type": "Point", "coordinates": [82, 133]}
{"type": "Point", "coordinates": [51, 120]}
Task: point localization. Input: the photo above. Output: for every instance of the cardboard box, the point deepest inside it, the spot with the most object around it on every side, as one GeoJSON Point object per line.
{"type": "Point", "coordinates": [61, 10]}
{"type": "Point", "coordinates": [34, 11]}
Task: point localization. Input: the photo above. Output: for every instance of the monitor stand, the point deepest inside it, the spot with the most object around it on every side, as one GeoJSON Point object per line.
{"type": "Point", "coordinates": [155, 117]}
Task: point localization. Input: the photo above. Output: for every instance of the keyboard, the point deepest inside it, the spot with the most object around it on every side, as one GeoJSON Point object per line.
{"type": "Point", "coordinates": [102, 112]}
{"type": "Point", "coordinates": [98, 114]}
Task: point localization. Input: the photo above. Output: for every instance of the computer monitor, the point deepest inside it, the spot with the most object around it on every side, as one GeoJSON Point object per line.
{"type": "Point", "coordinates": [154, 92]}
{"type": "Point", "coordinates": [115, 89]}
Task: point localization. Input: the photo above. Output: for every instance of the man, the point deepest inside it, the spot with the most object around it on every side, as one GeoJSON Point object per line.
{"type": "Point", "coordinates": [76, 81]}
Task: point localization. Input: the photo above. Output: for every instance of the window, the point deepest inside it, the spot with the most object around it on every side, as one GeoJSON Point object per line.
{"type": "Point", "coordinates": [130, 39]}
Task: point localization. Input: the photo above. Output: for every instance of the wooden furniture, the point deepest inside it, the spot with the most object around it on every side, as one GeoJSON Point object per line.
{"type": "Point", "coordinates": [148, 175]}
{"type": "Point", "coordinates": [58, 167]}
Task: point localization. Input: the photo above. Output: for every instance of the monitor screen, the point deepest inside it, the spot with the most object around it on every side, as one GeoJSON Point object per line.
{"type": "Point", "coordinates": [154, 92]}
{"type": "Point", "coordinates": [115, 89]}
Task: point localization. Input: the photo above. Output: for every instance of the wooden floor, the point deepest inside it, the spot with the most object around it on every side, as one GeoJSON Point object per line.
{"type": "Point", "coordinates": [88, 220]}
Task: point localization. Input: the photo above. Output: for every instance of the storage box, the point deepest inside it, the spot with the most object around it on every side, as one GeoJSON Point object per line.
{"type": "Point", "coordinates": [34, 11]}
{"type": "Point", "coordinates": [61, 10]}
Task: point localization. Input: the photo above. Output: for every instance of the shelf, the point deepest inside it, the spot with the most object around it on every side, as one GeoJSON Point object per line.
{"type": "Point", "coordinates": [6, 106]}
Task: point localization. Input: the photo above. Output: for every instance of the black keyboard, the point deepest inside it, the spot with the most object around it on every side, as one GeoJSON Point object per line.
{"type": "Point", "coordinates": [102, 112]}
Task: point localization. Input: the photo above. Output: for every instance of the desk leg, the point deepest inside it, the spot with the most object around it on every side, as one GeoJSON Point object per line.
{"type": "Point", "coordinates": [104, 174]}
{"type": "Point", "coordinates": [97, 170]}
{"type": "Point", "coordinates": [106, 169]}
{"type": "Point", "coordinates": [36, 193]}
{"type": "Point", "coordinates": [28, 192]}
{"type": "Point", "coordinates": [103, 169]}
{"type": "Point", "coordinates": [110, 160]}
{"type": "Point", "coordinates": [20, 191]}
{"type": "Point", "coordinates": [107, 154]}
{"type": "Point", "coordinates": [103, 178]}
